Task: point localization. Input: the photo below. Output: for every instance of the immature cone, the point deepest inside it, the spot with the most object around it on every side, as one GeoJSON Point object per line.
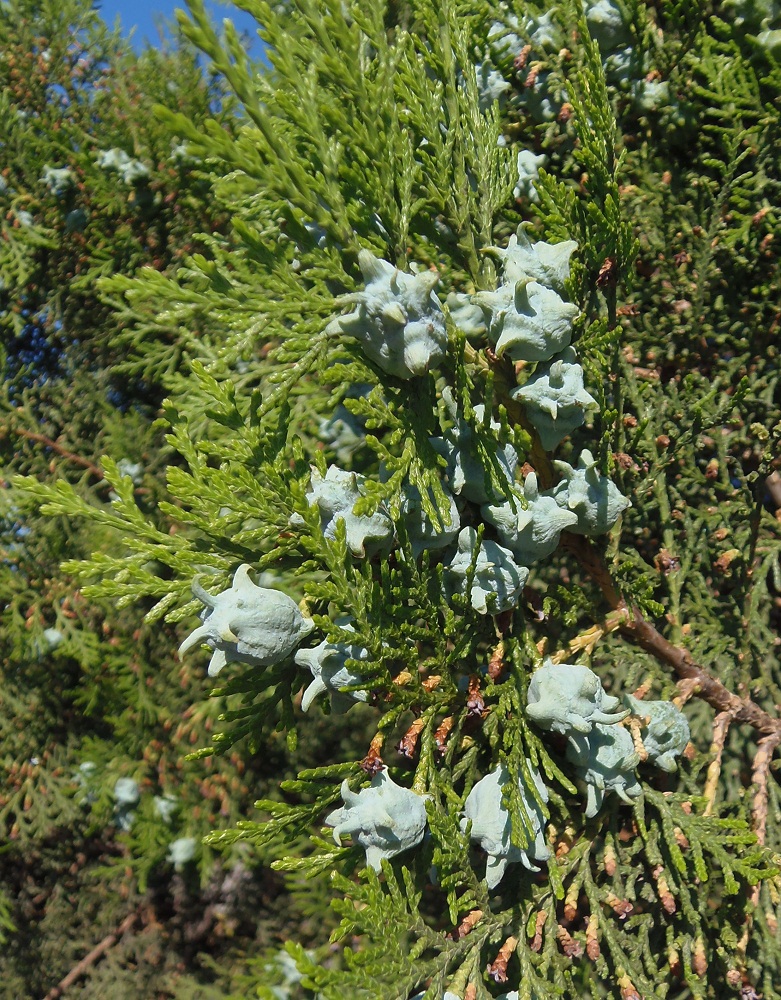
{"type": "Point", "coordinates": [567, 697]}
{"type": "Point", "coordinates": [547, 263]}
{"type": "Point", "coordinates": [528, 165]}
{"type": "Point", "coordinates": [555, 399]}
{"type": "Point", "coordinates": [531, 532]}
{"type": "Point", "coordinates": [423, 534]}
{"type": "Point", "coordinates": [466, 472]}
{"type": "Point", "coordinates": [665, 733]}
{"type": "Point", "coordinates": [491, 825]}
{"type": "Point", "coordinates": [605, 760]}
{"type": "Point", "coordinates": [398, 319]}
{"type": "Point", "coordinates": [528, 321]}
{"type": "Point", "coordinates": [497, 582]}
{"type": "Point", "coordinates": [247, 623]}
{"type": "Point", "coordinates": [335, 496]}
{"type": "Point", "coordinates": [593, 497]}
{"type": "Point", "coordinates": [385, 818]}
{"type": "Point", "coordinates": [327, 664]}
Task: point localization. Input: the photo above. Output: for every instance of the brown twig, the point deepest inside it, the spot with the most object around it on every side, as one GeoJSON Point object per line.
{"type": "Point", "coordinates": [591, 561]}
{"type": "Point", "coordinates": [760, 777]}
{"type": "Point", "coordinates": [721, 725]}
{"type": "Point", "coordinates": [687, 688]}
{"type": "Point", "coordinates": [91, 958]}
{"type": "Point", "coordinates": [636, 627]}
{"type": "Point", "coordinates": [94, 470]}
{"type": "Point", "coordinates": [694, 679]}
{"type": "Point", "coordinates": [742, 710]}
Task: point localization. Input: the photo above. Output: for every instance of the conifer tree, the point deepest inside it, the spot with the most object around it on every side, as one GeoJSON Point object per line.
{"type": "Point", "coordinates": [486, 457]}
{"type": "Point", "coordinates": [101, 830]}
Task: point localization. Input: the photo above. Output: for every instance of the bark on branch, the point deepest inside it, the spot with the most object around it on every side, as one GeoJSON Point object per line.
{"type": "Point", "coordinates": [71, 456]}
{"type": "Point", "coordinates": [742, 710]}
{"type": "Point", "coordinates": [91, 958]}
{"type": "Point", "coordinates": [641, 631]}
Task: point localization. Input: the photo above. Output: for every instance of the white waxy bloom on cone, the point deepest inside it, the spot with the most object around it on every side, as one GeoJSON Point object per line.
{"type": "Point", "coordinates": [606, 24]}
{"type": "Point", "coordinates": [528, 321]}
{"type": "Point", "coordinates": [497, 582]}
{"type": "Point", "coordinates": [491, 85]}
{"type": "Point", "coordinates": [326, 663]}
{"type": "Point", "coordinates": [422, 532]}
{"type": "Point", "coordinates": [531, 532]}
{"type": "Point", "coordinates": [596, 500]}
{"type": "Point", "coordinates": [568, 697]}
{"type": "Point", "coordinates": [182, 850]}
{"type": "Point", "coordinates": [466, 314]}
{"type": "Point", "coordinates": [466, 472]}
{"type": "Point", "coordinates": [131, 171]}
{"type": "Point", "coordinates": [492, 827]}
{"type": "Point", "coordinates": [247, 624]}
{"type": "Point", "coordinates": [605, 759]}
{"type": "Point", "coordinates": [665, 732]}
{"type": "Point", "coordinates": [335, 495]}
{"type": "Point", "coordinates": [555, 399]}
{"type": "Point", "coordinates": [547, 263]}
{"type": "Point", "coordinates": [398, 320]}
{"type": "Point", "coordinates": [528, 173]}
{"type": "Point", "coordinates": [58, 180]}
{"type": "Point", "coordinates": [385, 818]}
{"type": "Point", "coordinates": [126, 792]}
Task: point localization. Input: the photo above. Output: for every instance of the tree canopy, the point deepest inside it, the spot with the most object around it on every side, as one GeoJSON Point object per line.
{"type": "Point", "coordinates": [427, 376]}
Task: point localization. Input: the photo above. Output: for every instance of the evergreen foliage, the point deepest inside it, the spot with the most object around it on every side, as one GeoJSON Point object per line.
{"type": "Point", "coordinates": [93, 702]}
{"type": "Point", "coordinates": [603, 860]}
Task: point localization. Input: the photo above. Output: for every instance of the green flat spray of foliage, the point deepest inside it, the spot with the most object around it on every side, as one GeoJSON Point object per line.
{"type": "Point", "coordinates": [373, 131]}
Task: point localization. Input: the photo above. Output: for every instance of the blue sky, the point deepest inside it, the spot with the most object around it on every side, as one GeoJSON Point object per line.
{"type": "Point", "coordinates": [141, 15]}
